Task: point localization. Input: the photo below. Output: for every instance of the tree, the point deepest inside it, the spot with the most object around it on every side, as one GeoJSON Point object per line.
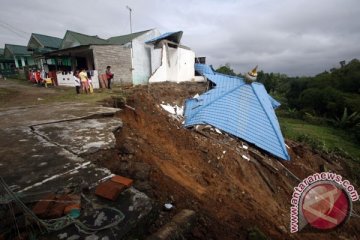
{"type": "Point", "coordinates": [226, 70]}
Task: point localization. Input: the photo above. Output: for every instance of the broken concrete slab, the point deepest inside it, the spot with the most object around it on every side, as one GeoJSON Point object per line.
{"type": "Point", "coordinates": [41, 114]}
{"type": "Point", "coordinates": [83, 136]}
{"type": "Point", "coordinates": [44, 148]}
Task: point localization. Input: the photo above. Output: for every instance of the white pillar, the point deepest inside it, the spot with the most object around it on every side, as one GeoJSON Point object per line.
{"type": "Point", "coordinates": [22, 61]}
{"type": "Point", "coordinates": [16, 62]}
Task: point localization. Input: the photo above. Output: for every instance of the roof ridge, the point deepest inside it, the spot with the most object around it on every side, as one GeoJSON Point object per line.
{"type": "Point", "coordinates": [46, 35]}
{"type": "Point", "coordinates": [9, 44]}
{"type": "Point", "coordinates": [271, 122]}
{"type": "Point", "coordinates": [131, 33]}
{"type": "Point", "coordinates": [96, 36]}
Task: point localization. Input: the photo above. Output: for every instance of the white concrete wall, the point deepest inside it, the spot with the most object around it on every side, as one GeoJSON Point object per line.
{"type": "Point", "coordinates": [141, 57]}
{"type": "Point", "coordinates": [177, 65]}
{"type": "Point", "coordinates": [186, 65]}
{"type": "Point", "coordinates": [156, 56]}
{"type": "Point", "coordinates": [68, 79]}
{"type": "Point", "coordinates": [160, 74]}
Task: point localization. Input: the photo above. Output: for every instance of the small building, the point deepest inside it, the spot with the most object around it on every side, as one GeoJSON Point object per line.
{"type": "Point", "coordinates": [127, 55]}
{"type": "Point", "coordinates": [7, 65]}
{"type": "Point", "coordinates": [140, 53]}
{"type": "Point", "coordinates": [40, 44]}
{"type": "Point", "coordinates": [22, 57]}
{"type": "Point", "coordinates": [171, 61]}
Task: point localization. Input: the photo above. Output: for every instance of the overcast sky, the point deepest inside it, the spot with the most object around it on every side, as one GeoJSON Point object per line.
{"type": "Point", "coordinates": [298, 38]}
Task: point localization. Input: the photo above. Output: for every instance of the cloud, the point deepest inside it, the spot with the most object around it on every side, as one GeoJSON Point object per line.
{"type": "Point", "coordinates": [301, 37]}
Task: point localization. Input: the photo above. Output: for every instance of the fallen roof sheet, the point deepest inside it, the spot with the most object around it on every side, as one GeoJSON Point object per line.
{"type": "Point", "coordinates": [171, 36]}
{"type": "Point", "coordinates": [243, 110]}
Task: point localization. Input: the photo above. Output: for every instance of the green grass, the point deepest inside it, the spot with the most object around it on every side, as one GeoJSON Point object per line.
{"type": "Point", "coordinates": [331, 137]}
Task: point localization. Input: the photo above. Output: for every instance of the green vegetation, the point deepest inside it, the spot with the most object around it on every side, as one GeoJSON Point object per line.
{"type": "Point", "coordinates": [226, 69]}
{"type": "Point", "coordinates": [321, 137]}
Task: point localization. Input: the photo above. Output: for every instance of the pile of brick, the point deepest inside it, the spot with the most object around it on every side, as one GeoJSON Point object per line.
{"type": "Point", "coordinates": [55, 206]}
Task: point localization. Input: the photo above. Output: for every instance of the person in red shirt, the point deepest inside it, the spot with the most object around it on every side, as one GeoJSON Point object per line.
{"type": "Point", "coordinates": [109, 76]}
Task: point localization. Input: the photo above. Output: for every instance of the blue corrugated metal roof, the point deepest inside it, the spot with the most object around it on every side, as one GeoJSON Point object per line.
{"type": "Point", "coordinates": [172, 36]}
{"type": "Point", "coordinates": [222, 80]}
{"type": "Point", "coordinates": [243, 110]}
{"type": "Point", "coordinates": [203, 68]}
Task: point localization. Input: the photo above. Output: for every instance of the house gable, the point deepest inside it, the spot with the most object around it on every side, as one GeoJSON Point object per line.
{"type": "Point", "coordinates": [123, 39]}
{"type": "Point", "coordinates": [74, 39]}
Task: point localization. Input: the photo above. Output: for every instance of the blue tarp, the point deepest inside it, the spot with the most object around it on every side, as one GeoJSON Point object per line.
{"type": "Point", "coordinates": [243, 110]}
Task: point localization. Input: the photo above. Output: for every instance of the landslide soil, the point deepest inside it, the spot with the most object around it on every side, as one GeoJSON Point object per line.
{"type": "Point", "coordinates": [207, 173]}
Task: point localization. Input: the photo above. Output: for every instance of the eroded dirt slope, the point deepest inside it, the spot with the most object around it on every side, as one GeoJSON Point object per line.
{"type": "Point", "coordinates": [206, 171]}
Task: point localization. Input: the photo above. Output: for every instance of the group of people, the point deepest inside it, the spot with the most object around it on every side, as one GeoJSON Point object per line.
{"type": "Point", "coordinates": [83, 80]}
{"type": "Point", "coordinates": [37, 76]}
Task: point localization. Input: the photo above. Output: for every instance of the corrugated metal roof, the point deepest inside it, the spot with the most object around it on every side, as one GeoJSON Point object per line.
{"type": "Point", "coordinates": [243, 110]}
{"type": "Point", "coordinates": [18, 50]}
{"type": "Point", "coordinates": [171, 36]}
{"type": "Point", "coordinates": [203, 68]}
{"type": "Point", "coordinates": [48, 41]}
{"type": "Point", "coordinates": [84, 39]}
{"type": "Point", "coordinates": [126, 38]}
{"type": "Point", "coordinates": [227, 81]}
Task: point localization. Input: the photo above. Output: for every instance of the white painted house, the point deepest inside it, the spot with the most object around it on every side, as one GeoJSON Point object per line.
{"type": "Point", "coordinates": [171, 61]}
{"type": "Point", "coordinates": [140, 53]}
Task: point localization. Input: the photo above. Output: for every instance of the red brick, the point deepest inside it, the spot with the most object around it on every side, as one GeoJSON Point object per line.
{"type": "Point", "coordinates": [57, 209]}
{"type": "Point", "coordinates": [42, 206]}
{"type": "Point", "coordinates": [122, 180]}
{"type": "Point", "coordinates": [109, 190]}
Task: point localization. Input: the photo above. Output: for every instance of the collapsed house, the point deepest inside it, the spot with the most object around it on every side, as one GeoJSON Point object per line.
{"type": "Point", "coordinates": [244, 110]}
{"type": "Point", "coordinates": [171, 61]}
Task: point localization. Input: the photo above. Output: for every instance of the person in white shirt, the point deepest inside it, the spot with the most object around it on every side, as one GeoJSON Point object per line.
{"type": "Point", "coordinates": [77, 81]}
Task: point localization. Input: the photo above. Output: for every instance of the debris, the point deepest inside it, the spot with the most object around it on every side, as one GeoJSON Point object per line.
{"type": "Point", "coordinates": [245, 157]}
{"type": "Point", "coordinates": [179, 225]}
{"type": "Point", "coordinates": [168, 206]}
{"type": "Point", "coordinates": [130, 107]}
{"type": "Point", "coordinates": [127, 182]}
{"type": "Point", "coordinates": [55, 206]}
{"type": "Point", "coordinates": [41, 207]}
{"type": "Point", "coordinates": [109, 190]}
{"type": "Point", "coordinates": [218, 131]}
{"type": "Point", "coordinates": [168, 108]}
